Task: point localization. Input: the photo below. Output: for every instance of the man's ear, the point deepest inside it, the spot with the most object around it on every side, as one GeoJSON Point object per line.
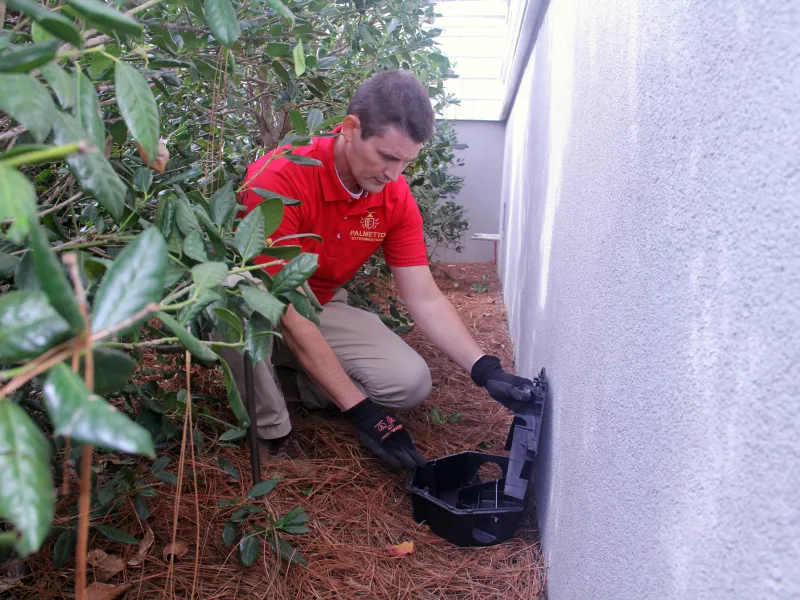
{"type": "Point", "coordinates": [351, 127]}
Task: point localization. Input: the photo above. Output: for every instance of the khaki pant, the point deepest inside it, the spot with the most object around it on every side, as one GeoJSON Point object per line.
{"type": "Point", "coordinates": [378, 361]}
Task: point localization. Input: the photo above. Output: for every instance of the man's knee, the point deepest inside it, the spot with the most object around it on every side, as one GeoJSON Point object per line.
{"type": "Point", "coordinates": [412, 384]}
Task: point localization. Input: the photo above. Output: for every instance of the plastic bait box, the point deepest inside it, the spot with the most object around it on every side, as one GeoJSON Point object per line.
{"type": "Point", "coordinates": [449, 495]}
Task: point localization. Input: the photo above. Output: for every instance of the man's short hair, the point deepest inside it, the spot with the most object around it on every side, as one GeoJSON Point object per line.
{"type": "Point", "coordinates": [393, 98]}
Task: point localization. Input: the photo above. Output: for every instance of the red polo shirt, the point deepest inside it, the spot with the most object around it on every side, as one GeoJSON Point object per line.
{"type": "Point", "coordinates": [351, 229]}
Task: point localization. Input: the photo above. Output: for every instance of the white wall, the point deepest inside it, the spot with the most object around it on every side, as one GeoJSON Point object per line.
{"type": "Point", "coordinates": [483, 180]}
{"type": "Point", "coordinates": [652, 264]}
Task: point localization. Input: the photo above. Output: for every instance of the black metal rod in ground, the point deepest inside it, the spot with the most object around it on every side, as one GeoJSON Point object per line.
{"type": "Point", "coordinates": [250, 401]}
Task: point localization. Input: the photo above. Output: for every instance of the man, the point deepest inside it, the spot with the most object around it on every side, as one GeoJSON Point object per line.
{"type": "Point", "coordinates": [358, 201]}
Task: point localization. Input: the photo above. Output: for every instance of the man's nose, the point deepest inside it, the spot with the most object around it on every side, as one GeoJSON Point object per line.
{"type": "Point", "coordinates": [392, 172]}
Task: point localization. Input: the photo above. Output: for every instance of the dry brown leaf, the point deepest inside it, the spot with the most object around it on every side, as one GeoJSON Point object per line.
{"type": "Point", "coordinates": [144, 546]}
{"type": "Point", "coordinates": [106, 591]}
{"type": "Point", "coordinates": [105, 565]}
{"type": "Point", "coordinates": [161, 159]}
{"type": "Point", "coordinates": [179, 549]}
{"type": "Point", "coordinates": [401, 549]}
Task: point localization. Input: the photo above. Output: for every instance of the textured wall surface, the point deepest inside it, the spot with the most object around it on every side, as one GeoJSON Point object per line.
{"type": "Point", "coordinates": [483, 182]}
{"type": "Point", "coordinates": [652, 264]}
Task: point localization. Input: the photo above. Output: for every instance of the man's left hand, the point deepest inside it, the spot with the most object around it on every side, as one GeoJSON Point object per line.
{"type": "Point", "coordinates": [515, 393]}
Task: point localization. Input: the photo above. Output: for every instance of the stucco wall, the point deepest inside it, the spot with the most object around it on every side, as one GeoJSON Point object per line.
{"type": "Point", "coordinates": [483, 179]}
{"type": "Point", "coordinates": [652, 264]}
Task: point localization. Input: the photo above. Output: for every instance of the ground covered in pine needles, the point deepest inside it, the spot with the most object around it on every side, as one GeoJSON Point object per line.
{"type": "Point", "coordinates": [357, 508]}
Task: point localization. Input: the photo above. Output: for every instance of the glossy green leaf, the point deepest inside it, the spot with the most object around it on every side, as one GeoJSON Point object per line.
{"type": "Point", "coordinates": [297, 122]}
{"type": "Point", "coordinates": [228, 468]}
{"type": "Point", "coordinates": [8, 264]}
{"type": "Point", "coordinates": [294, 529]}
{"type": "Point", "coordinates": [134, 280]}
{"type": "Point", "coordinates": [165, 214]}
{"type": "Point", "coordinates": [87, 111]}
{"type": "Point", "coordinates": [229, 534]}
{"type": "Point", "coordinates": [137, 105]}
{"type": "Point", "coordinates": [222, 204]}
{"type": "Point", "coordinates": [222, 21]}
{"type": "Point", "coordinates": [160, 464]}
{"type": "Point", "coordinates": [315, 119]}
{"type": "Point", "coordinates": [141, 508]}
{"type": "Point", "coordinates": [89, 419]}
{"type": "Point", "coordinates": [184, 216]}
{"type": "Point", "coordinates": [195, 247]}
{"type": "Point", "coordinates": [233, 322]}
{"type": "Point", "coordinates": [281, 9]}
{"type": "Point", "coordinates": [258, 338]}
{"type": "Point", "coordinates": [264, 303]}
{"type": "Point", "coordinates": [28, 57]}
{"type": "Point", "coordinates": [286, 551]}
{"type": "Point", "coordinates": [303, 160]}
{"type": "Point", "coordinates": [282, 251]}
{"type": "Point", "coordinates": [280, 71]}
{"type": "Point", "coordinates": [312, 297]}
{"type": "Point", "coordinates": [234, 398]}
{"type": "Point", "coordinates": [53, 279]}
{"type": "Point", "coordinates": [54, 23]}
{"type": "Point", "coordinates": [100, 64]}
{"type": "Point", "coordinates": [29, 325]}
{"type": "Point", "coordinates": [299, 58]}
{"type": "Point", "coordinates": [209, 275]}
{"type": "Point", "coordinates": [112, 369]}
{"type": "Point", "coordinates": [106, 18]}
{"type": "Point", "coordinates": [169, 478]}
{"type": "Point", "coordinates": [92, 170]}
{"type": "Point", "coordinates": [119, 132]}
{"type": "Point", "coordinates": [116, 535]}
{"type": "Point", "coordinates": [204, 298]}
{"type": "Point", "coordinates": [191, 343]}
{"type": "Point", "coordinates": [272, 209]}
{"type": "Point", "coordinates": [18, 202]}
{"type": "Point", "coordinates": [143, 179]}
{"type": "Point", "coordinates": [25, 277]}
{"type": "Point", "coordinates": [26, 495]}
{"type": "Point", "coordinates": [231, 435]}
{"type": "Point", "coordinates": [276, 49]}
{"type": "Point", "coordinates": [266, 194]}
{"type": "Point", "coordinates": [301, 305]}
{"type": "Point", "coordinates": [65, 546]}
{"type": "Point", "coordinates": [262, 488]}
{"type": "Point", "coordinates": [249, 548]}
{"type": "Point", "coordinates": [28, 102]}
{"type": "Point", "coordinates": [63, 84]}
{"type": "Point", "coordinates": [295, 273]}
{"type": "Point", "coordinates": [250, 238]}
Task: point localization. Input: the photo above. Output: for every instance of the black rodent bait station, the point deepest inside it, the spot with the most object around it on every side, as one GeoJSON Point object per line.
{"type": "Point", "coordinates": [450, 497]}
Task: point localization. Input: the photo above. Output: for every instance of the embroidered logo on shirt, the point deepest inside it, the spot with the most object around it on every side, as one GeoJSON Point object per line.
{"type": "Point", "coordinates": [365, 235]}
{"type": "Point", "coordinates": [369, 222]}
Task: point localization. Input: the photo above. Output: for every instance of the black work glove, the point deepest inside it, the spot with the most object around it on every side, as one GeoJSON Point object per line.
{"type": "Point", "coordinates": [384, 435]}
{"type": "Point", "coordinates": [515, 393]}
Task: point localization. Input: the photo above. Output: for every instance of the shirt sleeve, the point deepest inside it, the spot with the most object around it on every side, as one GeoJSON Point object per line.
{"type": "Point", "coordinates": [404, 245]}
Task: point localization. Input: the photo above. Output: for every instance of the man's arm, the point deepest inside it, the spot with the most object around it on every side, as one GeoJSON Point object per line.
{"type": "Point", "coordinates": [436, 316]}
{"type": "Point", "coordinates": [318, 360]}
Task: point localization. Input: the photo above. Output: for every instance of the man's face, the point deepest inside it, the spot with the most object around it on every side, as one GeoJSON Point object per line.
{"type": "Point", "coordinates": [376, 161]}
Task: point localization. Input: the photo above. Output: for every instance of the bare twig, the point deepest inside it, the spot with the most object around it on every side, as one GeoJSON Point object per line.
{"type": "Point", "coordinates": [84, 503]}
{"type": "Point", "coordinates": [194, 473]}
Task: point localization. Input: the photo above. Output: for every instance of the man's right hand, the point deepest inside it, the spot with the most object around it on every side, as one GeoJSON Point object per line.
{"type": "Point", "coordinates": [384, 435]}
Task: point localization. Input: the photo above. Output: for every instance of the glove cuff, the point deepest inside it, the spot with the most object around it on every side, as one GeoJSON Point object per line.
{"type": "Point", "coordinates": [359, 412]}
{"type": "Point", "coordinates": [484, 368]}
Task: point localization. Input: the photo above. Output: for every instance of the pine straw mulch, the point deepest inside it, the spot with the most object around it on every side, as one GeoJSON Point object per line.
{"type": "Point", "coordinates": [357, 507]}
